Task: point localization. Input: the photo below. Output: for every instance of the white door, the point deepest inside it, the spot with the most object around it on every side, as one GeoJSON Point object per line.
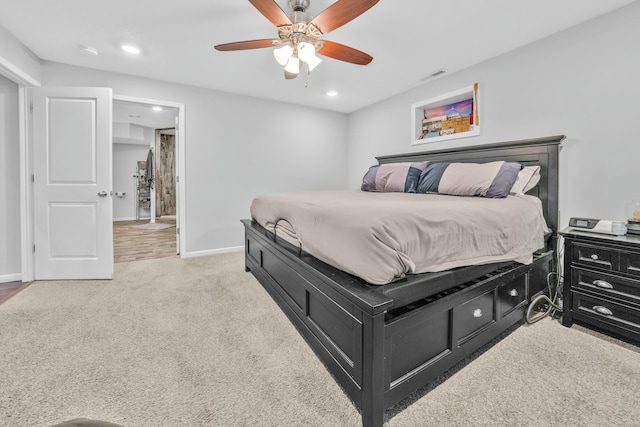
{"type": "Point", "coordinates": [73, 212]}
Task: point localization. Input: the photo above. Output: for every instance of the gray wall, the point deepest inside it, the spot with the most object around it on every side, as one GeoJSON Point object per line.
{"type": "Point", "coordinates": [237, 147]}
{"type": "Point", "coordinates": [10, 259]}
{"type": "Point", "coordinates": [582, 82]}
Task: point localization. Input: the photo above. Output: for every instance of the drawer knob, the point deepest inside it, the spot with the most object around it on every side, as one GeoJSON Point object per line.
{"type": "Point", "coordinates": [513, 292]}
{"type": "Point", "coordinates": [477, 312]}
{"type": "Point", "coordinates": [594, 257]}
{"type": "Point", "coordinates": [602, 310]}
{"type": "Point", "coordinates": [603, 284]}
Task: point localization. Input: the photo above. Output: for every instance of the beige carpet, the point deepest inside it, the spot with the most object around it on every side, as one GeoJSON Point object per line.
{"type": "Point", "coordinates": [198, 342]}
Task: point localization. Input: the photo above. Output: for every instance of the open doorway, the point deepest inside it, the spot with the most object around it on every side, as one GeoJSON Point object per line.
{"type": "Point", "coordinates": [145, 173]}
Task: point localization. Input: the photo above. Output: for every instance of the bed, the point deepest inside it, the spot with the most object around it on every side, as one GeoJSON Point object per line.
{"type": "Point", "coordinates": [383, 342]}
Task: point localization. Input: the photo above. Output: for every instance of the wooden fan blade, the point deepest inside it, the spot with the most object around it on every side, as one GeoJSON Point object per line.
{"type": "Point", "coordinates": [249, 44]}
{"type": "Point", "coordinates": [340, 13]}
{"type": "Point", "coordinates": [271, 11]}
{"type": "Point", "coordinates": [345, 53]}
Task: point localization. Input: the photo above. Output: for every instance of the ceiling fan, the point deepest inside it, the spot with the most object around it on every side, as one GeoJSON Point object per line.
{"type": "Point", "coordinates": [299, 34]}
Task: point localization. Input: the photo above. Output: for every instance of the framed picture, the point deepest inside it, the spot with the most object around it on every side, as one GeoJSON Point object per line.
{"type": "Point", "coordinates": [448, 116]}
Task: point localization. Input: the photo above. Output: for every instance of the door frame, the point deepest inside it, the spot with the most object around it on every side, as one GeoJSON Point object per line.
{"type": "Point", "coordinates": [180, 161]}
{"type": "Point", "coordinates": [23, 80]}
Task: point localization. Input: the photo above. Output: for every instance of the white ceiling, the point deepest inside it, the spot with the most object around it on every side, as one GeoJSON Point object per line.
{"type": "Point", "coordinates": [143, 115]}
{"type": "Point", "coordinates": [408, 40]}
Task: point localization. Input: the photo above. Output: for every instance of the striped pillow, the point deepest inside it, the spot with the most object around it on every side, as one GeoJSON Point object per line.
{"type": "Point", "coordinates": [492, 180]}
{"type": "Point", "coordinates": [393, 177]}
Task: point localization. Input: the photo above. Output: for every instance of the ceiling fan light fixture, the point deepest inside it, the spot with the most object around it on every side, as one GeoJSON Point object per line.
{"type": "Point", "coordinates": [293, 66]}
{"type": "Point", "coordinates": [313, 62]}
{"type": "Point", "coordinates": [283, 54]}
{"type": "Point", "coordinates": [306, 51]}
{"type": "Point", "coordinates": [289, 76]}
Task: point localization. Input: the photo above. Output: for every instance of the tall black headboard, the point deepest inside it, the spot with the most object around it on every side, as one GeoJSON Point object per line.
{"type": "Point", "coordinates": [530, 152]}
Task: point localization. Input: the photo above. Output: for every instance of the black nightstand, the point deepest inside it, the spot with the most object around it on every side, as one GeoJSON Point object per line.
{"type": "Point", "coordinates": [602, 282]}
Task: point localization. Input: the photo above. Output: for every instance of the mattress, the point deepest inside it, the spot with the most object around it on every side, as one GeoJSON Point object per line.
{"type": "Point", "coordinates": [383, 237]}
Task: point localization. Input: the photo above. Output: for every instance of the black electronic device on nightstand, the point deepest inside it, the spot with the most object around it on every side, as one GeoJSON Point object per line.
{"type": "Point", "coordinates": [602, 282]}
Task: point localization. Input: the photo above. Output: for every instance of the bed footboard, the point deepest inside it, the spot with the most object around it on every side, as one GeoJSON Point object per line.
{"type": "Point", "coordinates": [377, 352]}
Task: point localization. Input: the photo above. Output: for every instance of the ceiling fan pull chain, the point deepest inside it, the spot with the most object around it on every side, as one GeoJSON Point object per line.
{"type": "Point", "coordinates": [306, 77]}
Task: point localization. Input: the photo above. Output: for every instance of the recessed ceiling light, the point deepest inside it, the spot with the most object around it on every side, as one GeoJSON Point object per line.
{"type": "Point", "coordinates": [89, 50]}
{"type": "Point", "coordinates": [332, 93]}
{"type": "Point", "coordinates": [156, 108]}
{"type": "Point", "coordinates": [130, 49]}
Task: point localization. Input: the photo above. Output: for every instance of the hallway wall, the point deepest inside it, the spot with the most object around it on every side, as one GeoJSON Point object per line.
{"type": "Point", "coordinates": [10, 239]}
{"type": "Point", "coordinates": [125, 158]}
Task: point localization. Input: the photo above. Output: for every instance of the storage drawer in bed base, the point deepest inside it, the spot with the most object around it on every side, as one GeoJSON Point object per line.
{"type": "Point", "coordinates": [314, 312]}
{"type": "Point", "coordinates": [351, 331]}
{"type": "Point", "coordinates": [422, 343]}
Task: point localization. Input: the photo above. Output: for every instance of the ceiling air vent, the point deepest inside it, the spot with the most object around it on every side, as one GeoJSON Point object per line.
{"type": "Point", "coordinates": [434, 74]}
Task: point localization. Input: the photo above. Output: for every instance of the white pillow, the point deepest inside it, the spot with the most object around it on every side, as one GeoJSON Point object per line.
{"type": "Point", "coordinates": [527, 178]}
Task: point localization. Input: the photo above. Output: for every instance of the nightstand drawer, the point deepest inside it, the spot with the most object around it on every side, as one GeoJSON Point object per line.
{"type": "Point", "coordinates": [608, 285]}
{"type": "Point", "coordinates": [595, 256]}
{"type": "Point", "coordinates": [603, 313]}
{"type": "Point", "coordinates": [630, 263]}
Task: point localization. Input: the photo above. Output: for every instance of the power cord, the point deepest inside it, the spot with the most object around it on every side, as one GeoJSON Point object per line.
{"type": "Point", "coordinates": [543, 305]}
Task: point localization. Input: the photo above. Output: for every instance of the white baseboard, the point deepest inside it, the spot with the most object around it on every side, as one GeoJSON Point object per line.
{"type": "Point", "coordinates": [132, 219]}
{"type": "Point", "coordinates": [11, 278]}
{"type": "Point", "coordinates": [212, 252]}
{"type": "Point", "coordinates": [124, 219]}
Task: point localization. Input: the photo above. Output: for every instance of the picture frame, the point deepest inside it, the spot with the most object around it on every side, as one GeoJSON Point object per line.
{"type": "Point", "coordinates": [448, 116]}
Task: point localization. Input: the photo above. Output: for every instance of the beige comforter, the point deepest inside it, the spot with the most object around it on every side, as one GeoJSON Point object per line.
{"type": "Point", "coordinates": [381, 237]}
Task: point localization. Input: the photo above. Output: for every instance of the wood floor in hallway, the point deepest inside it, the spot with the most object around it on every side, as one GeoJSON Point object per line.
{"type": "Point", "coordinates": [7, 290]}
{"type": "Point", "coordinates": [131, 243]}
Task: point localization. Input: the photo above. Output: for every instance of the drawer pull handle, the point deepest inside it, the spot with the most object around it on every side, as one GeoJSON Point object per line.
{"type": "Point", "coordinates": [603, 284]}
{"type": "Point", "coordinates": [477, 312]}
{"type": "Point", "coordinates": [602, 310]}
{"type": "Point", "coordinates": [513, 293]}
{"type": "Point", "coordinates": [594, 257]}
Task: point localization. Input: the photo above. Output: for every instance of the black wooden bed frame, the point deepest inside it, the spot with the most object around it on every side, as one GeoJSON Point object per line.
{"type": "Point", "coordinates": [381, 343]}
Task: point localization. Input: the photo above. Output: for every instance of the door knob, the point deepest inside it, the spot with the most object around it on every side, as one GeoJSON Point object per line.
{"type": "Point", "coordinates": [102, 194]}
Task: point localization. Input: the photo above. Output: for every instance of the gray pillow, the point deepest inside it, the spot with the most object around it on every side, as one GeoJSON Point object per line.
{"type": "Point", "coordinates": [492, 179]}
{"type": "Point", "coordinates": [393, 177]}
